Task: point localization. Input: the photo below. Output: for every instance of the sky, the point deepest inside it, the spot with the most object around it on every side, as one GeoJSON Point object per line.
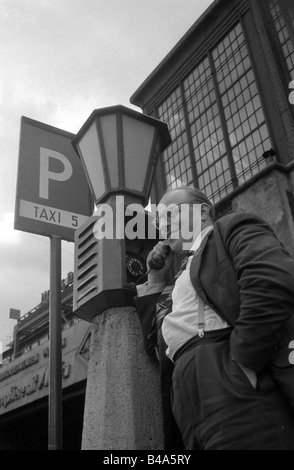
{"type": "Point", "coordinates": [59, 60]}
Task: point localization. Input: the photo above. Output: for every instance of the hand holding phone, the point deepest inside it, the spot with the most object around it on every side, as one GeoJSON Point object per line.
{"type": "Point", "coordinates": [156, 259]}
{"type": "Point", "coordinates": [159, 261]}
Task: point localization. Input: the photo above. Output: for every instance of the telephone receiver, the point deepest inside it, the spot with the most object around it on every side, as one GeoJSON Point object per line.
{"type": "Point", "coordinates": [157, 261]}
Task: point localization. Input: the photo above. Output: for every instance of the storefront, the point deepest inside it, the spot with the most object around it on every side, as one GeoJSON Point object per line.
{"type": "Point", "coordinates": [24, 393]}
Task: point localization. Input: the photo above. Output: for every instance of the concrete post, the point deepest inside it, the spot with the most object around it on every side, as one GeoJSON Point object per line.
{"type": "Point", "coordinates": [122, 404]}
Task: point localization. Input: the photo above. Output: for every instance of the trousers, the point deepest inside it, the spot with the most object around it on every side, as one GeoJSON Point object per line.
{"type": "Point", "coordinates": [216, 407]}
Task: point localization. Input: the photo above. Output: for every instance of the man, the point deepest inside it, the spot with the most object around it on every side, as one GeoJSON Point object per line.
{"type": "Point", "coordinates": [219, 328]}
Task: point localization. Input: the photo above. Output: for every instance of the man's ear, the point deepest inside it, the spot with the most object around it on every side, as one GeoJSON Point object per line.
{"type": "Point", "coordinates": [205, 211]}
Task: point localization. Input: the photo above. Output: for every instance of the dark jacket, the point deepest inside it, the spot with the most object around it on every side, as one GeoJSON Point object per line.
{"type": "Point", "coordinates": [245, 274]}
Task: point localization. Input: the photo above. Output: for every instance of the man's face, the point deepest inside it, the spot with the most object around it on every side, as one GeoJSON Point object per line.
{"type": "Point", "coordinates": [179, 223]}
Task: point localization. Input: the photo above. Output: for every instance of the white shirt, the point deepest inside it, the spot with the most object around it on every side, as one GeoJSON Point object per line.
{"type": "Point", "coordinates": [182, 323]}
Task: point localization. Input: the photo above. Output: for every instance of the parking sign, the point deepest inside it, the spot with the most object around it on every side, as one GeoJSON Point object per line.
{"type": "Point", "coordinates": [53, 196]}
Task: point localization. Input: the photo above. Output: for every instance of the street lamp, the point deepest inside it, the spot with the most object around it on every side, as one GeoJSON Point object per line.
{"type": "Point", "coordinates": [119, 149]}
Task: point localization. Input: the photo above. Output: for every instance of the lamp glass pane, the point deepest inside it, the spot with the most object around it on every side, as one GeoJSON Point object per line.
{"type": "Point", "coordinates": [138, 139]}
{"type": "Point", "coordinates": [108, 125]}
{"type": "Point", "coordinates": [92, 161]}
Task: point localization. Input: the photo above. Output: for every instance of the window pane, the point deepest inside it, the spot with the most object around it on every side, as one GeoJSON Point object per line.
{"type": "Point", "coordinates": [283, 35]}
{"type": "Point", "coordinates": [177, 168]}
{"type": "Point", "coordinates": [242, 108]}
{"type": "Point", "coordinates": [205, 124]}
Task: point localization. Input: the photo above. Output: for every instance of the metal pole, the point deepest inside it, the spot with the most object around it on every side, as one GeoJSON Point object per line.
{"type": "Point", "coordinates": [15, 340]}
{"type": "Point", "coordinates": [55, 358]}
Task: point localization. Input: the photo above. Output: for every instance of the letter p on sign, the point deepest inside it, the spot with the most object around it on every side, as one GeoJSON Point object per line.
{"type": "Point", "coordinates": [46, 174]}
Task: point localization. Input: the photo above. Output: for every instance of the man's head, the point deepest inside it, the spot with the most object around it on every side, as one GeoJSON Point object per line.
{"type": "Point", "coordinates": [183, 213]}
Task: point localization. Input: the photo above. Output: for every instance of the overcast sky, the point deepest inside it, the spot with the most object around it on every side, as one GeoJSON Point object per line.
{"type": "Point", "coordinates": [59, 60]}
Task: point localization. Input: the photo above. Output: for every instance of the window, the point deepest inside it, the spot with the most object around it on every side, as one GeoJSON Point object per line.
{"type": "Point", "coordinates": [280, 17]}
{"type": "Point", "coordinates": [176, 159]}
{"type": "Point", "coordinates": [206, 131]}
{"type": "Point", "coordinates": [226, 128]}
{"type": "Point", "coordinates": [245, 122]}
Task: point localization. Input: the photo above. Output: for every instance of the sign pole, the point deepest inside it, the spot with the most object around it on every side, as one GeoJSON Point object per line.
{"type": "Point", "coordinates": [55, 336]}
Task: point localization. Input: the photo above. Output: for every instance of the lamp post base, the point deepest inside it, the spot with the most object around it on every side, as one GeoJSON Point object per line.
{"type": "Point", "coordinates": [122, 404]}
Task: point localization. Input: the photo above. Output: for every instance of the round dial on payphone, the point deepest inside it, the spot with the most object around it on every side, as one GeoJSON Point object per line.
{"type": "Point", "coordinates": [136, 265]}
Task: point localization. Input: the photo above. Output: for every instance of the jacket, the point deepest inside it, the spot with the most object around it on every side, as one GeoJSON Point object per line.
{"type": "Point", "coordinates": [246, 275]}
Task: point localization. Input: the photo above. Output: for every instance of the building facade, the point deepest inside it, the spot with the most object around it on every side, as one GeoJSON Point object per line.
{"type": "Point", "coordinates": [24, 377]}
{"type": "Point", "coordinates": [225, 92]}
